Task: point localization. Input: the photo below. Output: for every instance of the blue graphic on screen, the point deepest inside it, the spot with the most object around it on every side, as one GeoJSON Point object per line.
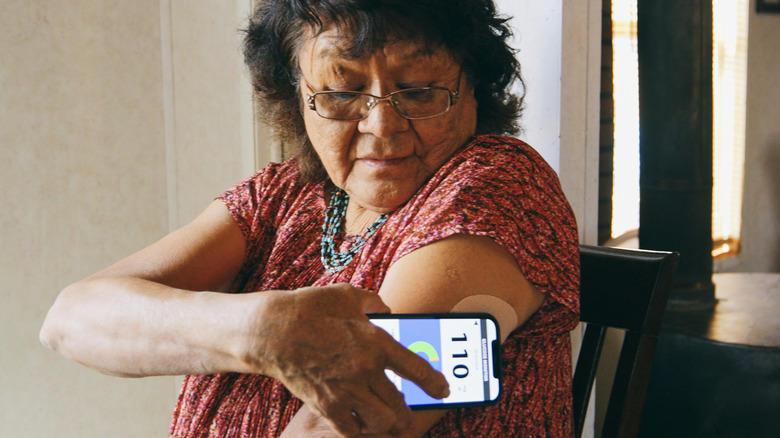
{"type": "Point", "coordinates": [422, 336]}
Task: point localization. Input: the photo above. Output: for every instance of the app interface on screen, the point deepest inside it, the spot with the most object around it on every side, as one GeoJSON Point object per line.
{"type": "Point", "coordinates": [458, 348]}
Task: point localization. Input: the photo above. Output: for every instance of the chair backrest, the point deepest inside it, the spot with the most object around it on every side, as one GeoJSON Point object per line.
{"type": "Point", "coordinates": [625, 289]}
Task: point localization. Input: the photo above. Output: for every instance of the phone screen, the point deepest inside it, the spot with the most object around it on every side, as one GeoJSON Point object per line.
{"type": "Point", "coordinates": [463, 347]}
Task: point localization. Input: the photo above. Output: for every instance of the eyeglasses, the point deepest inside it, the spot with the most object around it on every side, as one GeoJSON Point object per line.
{"type": "Point", "coordinates": [411, 103]}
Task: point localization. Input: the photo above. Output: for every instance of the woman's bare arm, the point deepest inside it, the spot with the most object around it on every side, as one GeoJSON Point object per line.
{"type": "Point", "coordinates": [139, 316]}
{"type": "Point", "coordinates": [444, 276]}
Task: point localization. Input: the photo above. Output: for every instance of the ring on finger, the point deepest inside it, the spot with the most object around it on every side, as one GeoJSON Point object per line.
{"type": "Point", "coordinates": [356, 416]}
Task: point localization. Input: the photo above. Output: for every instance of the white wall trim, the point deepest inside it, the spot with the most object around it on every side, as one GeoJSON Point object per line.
{"type": "Point", "coordinates": [169, 113]}
{"type": "Point", "coordinates": [580, 94]}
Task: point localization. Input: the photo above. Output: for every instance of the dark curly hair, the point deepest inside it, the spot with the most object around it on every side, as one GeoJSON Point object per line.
{"type": "Point", "coordinates": [470, 30]}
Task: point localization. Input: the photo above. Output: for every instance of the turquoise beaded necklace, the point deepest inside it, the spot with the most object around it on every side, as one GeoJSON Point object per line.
{"type": "Point", "coordinates": [334, 222]}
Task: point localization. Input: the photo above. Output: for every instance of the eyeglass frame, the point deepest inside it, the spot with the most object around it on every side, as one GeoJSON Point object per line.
{"type": "Point", "coordinates": [454, 96]}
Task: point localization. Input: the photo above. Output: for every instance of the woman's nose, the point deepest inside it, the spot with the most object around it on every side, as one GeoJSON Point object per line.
{"type": "Point", "coordinates": [383, 120]}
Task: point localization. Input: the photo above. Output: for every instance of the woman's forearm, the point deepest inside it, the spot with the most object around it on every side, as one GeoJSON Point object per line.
{"type": "Point", "coordinates": [133, 327]}
{"type": "Point", "coordinates": [317, 341]}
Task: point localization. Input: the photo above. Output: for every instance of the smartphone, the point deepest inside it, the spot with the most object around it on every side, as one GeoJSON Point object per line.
{"type": "Point", "coordinates": [465, 347]}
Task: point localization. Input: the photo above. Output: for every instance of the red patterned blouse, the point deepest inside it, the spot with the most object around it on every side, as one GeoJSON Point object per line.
{"type": "Point", "coordinates": [494, 186]}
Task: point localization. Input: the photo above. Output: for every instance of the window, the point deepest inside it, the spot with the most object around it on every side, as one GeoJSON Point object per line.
{"type": "Point", "coordinates": [729, 84]}
{"type": "Point", "coordinates": [625, 83]}
{"type": "Point", "coordinates": [729, 70]}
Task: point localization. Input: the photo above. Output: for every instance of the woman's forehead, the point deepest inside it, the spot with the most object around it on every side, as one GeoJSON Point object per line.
{"type": "Point", "coordinates": [333, 46]}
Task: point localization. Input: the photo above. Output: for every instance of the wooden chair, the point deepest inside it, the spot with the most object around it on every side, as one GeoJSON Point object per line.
{"type": "Point", "coordinates": [625, 289]}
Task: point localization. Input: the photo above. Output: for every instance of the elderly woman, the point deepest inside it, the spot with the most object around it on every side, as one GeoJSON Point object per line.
{"type": "Point", "coordinates": [402, 198]}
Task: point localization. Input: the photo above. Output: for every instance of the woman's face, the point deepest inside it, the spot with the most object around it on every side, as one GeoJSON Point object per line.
{"type": "Point", "coordinates": [382, 160]}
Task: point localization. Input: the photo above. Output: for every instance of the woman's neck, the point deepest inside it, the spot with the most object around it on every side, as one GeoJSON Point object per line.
{"type": "Point", "coordinates": [358, 218]}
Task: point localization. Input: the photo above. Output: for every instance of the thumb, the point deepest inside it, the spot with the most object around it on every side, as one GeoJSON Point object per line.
{"type": "Point", "coordinates": [372, 303]}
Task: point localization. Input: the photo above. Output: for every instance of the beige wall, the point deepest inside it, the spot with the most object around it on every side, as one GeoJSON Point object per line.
{"type": "Point", "coordinates": [761, 202]}
{"type": "Point", "coordinates": [211, 109]}
{"type": "Point", "coordinates": [118, 121]}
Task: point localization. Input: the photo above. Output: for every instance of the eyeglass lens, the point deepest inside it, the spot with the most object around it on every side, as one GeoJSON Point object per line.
{"type": "Point", "coordinates": [414, 103]}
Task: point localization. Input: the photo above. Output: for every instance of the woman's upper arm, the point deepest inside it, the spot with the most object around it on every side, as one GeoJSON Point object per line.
{"type": "Point", "coordinates": [445, 275]}
{"type": "Point", "coordinates": [439, 276]}
{"type": "Point", "coordinates": [205, 254]}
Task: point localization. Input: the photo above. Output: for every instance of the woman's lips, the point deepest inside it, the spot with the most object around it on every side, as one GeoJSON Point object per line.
{"type": "Point", "coordinates": [382, 162]}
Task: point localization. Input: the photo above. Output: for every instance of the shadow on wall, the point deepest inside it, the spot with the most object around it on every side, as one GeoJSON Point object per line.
{"type": "Point", "coordinates": [773, 176]}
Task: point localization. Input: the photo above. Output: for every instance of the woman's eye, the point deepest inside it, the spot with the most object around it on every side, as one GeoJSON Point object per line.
{"type": "Point", "coordinates": [418, 94]}
{"type": "Point", "coordinates": [341, 97]}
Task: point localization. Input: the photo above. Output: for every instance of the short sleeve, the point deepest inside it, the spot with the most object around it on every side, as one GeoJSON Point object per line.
{"type": "Point", "coordinates": [258, 203]}
{"type": "Point", "coordinates": [501, 188]}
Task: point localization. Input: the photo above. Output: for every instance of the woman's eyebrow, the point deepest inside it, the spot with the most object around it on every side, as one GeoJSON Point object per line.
{"type": "Point", "coordinates": [333, 52]}
{"type": "Point", "coordinates": [418, 52]}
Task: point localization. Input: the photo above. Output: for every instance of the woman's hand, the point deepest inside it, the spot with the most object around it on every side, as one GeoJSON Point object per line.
{"type": "Point", "coordinates": [319, 342]}
{"type": "Point", "coordinates": [309, 424]}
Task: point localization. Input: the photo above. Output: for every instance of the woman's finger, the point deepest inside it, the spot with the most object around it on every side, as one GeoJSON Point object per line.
{"type": "Point", "coordinates": [417, 370]}
{"type": "Point", "coordinates": [387, 392]}
{"type": "Point", "coordinates": [372, 303]}
{"type": "Point", "coordinates": [381, 409]}
{"type": "Point", "coordinates": [342, 419]}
